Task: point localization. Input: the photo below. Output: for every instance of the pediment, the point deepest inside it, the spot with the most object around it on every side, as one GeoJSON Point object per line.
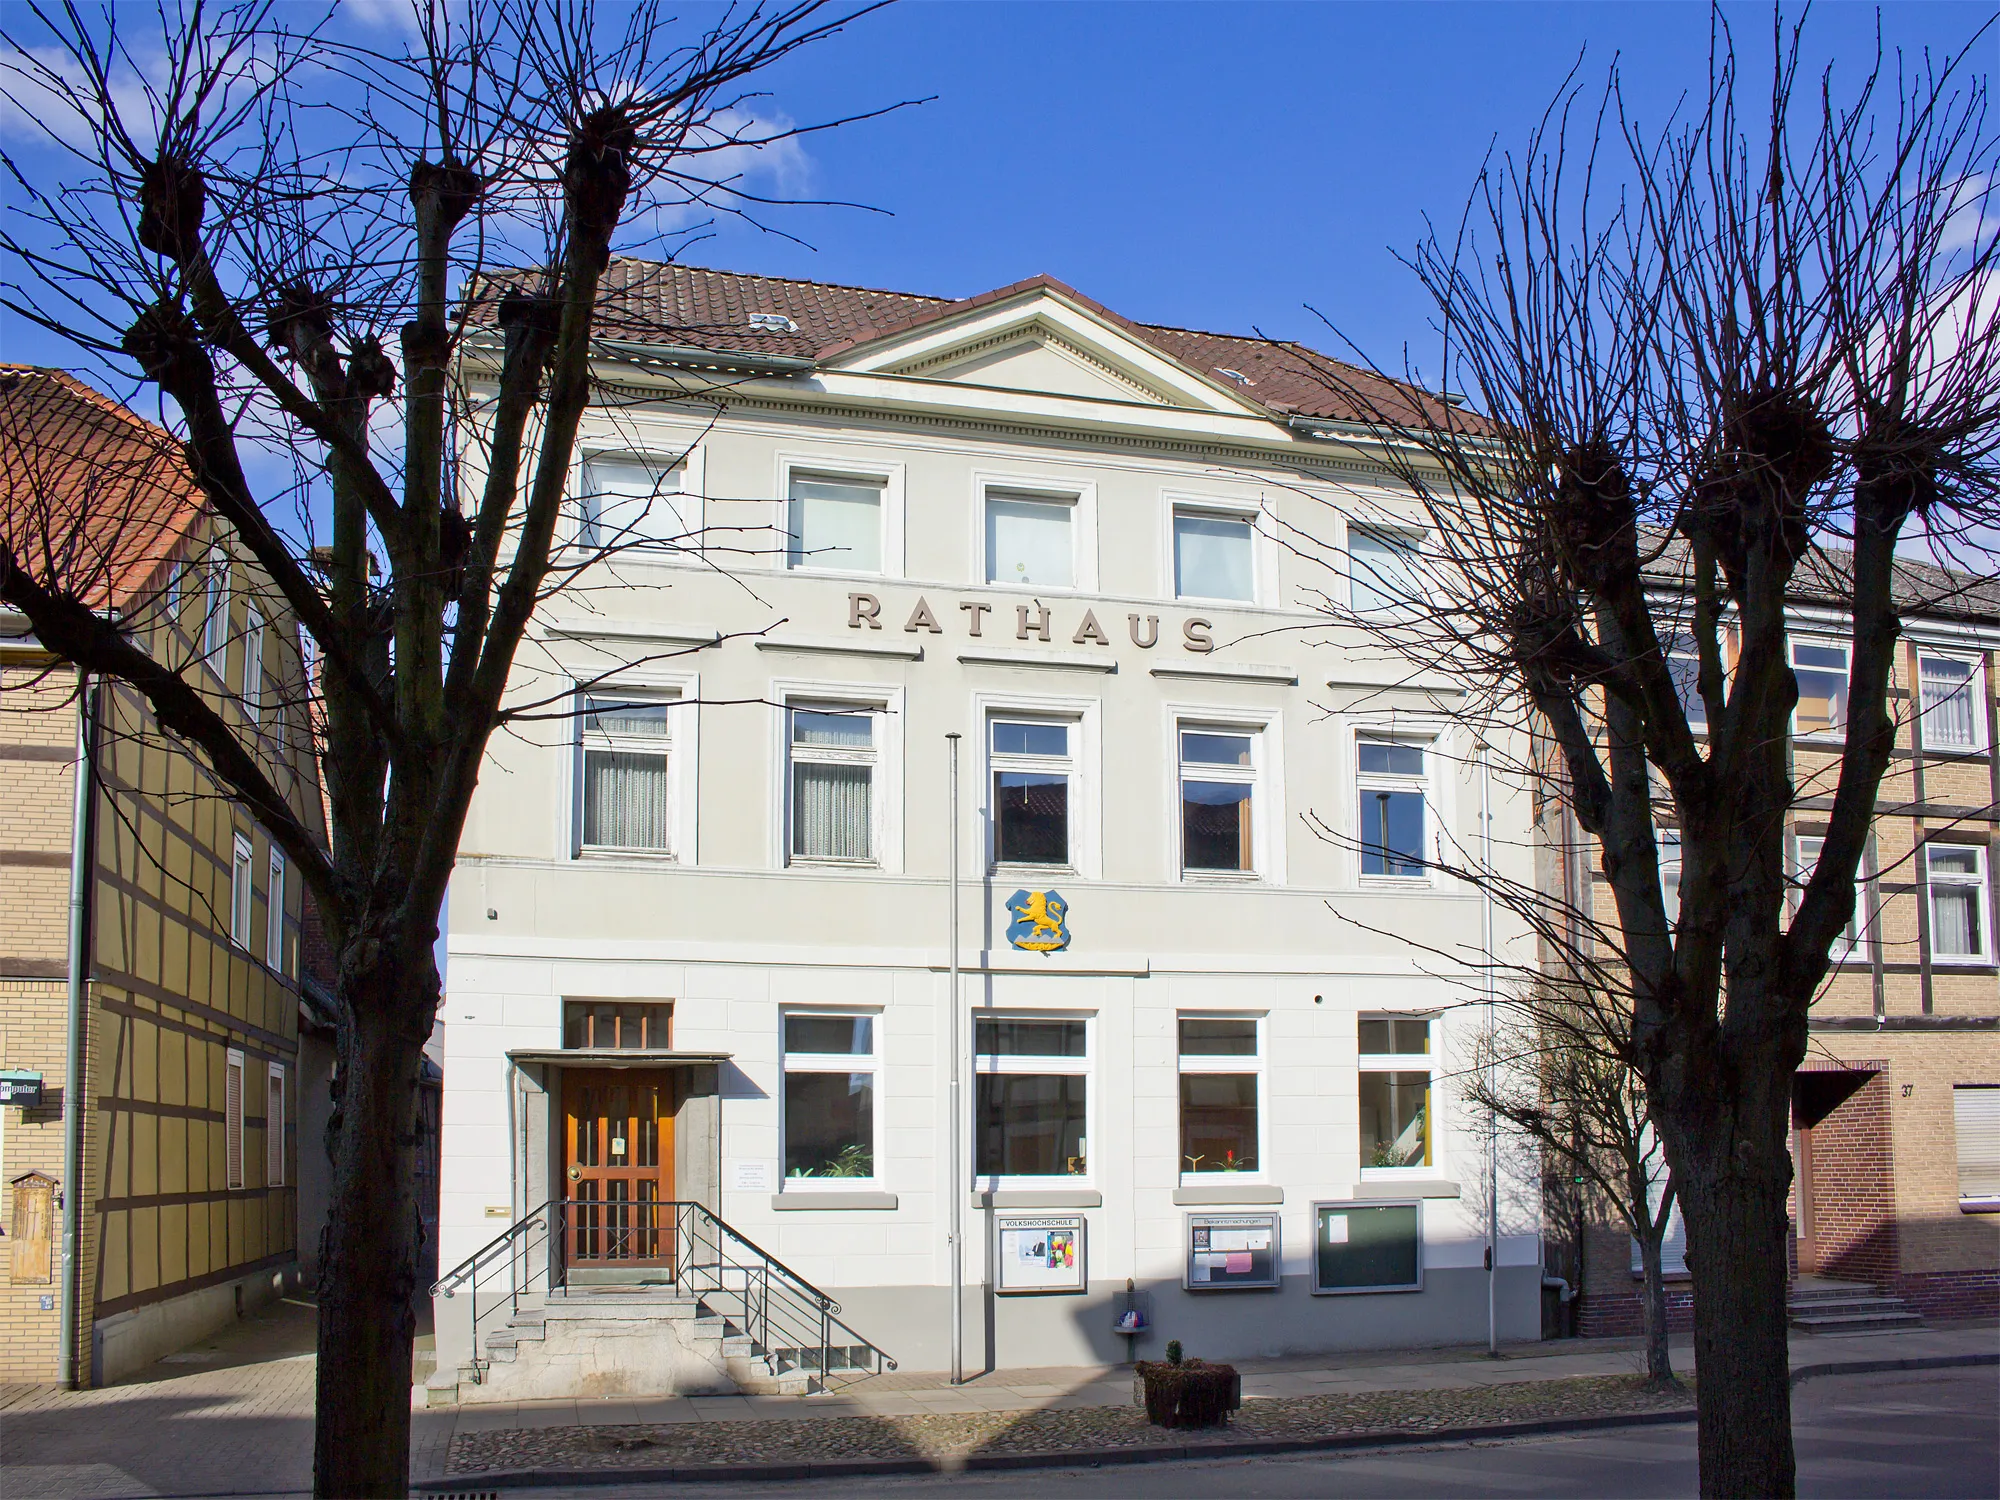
{"type": "Point", "coordinates": [1042, 343]}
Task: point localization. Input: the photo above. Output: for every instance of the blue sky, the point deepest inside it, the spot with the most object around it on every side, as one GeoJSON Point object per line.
{"type": "Point", "coordinates": [1213, 166]}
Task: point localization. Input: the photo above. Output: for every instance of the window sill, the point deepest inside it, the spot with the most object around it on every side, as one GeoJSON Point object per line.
{"type": "Point", "coordinates": [791, 1202]}
{"type": "Point", "coordinates": [1049, 1197]}
{"type": "Point", "coordinates": [1957, 964]}
{"type": "Point", "coordinates": [610, 851]}
{"type": "Point", "coordinates": [802, 862]}
{"type": "Point", "coordinates": [1221, 877]}
{"type": "Point", "coordinates": [1012, 869]}
{"type": "Point", "coordinates": [1397, 883]}
{"type": "Point", "coordinates": [1421, 1184]}
{"type": "Point", "coordinates": [1228, 1192]}
{"type": "Point", "coordinates": [1979, 1205]}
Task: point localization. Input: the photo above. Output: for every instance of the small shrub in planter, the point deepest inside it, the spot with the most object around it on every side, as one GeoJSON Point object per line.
{"type": "Point", "coordinates": [1189, 1393]}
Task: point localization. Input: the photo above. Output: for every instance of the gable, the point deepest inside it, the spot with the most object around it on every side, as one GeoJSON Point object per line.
{"type": "Point", "coordinates": [1043, 343]}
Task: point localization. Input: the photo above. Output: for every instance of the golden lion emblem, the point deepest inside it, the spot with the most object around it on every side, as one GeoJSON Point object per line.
{"type": "Point", "coordinates": [1038, 921]}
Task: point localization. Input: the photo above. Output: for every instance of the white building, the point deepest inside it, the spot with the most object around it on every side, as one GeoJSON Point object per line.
{"type": "Point", "coordinates": [1075, 542]}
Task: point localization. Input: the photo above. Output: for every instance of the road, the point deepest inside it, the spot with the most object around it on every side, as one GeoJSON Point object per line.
{"type": "Point", "coordinates": [1927, 1433]}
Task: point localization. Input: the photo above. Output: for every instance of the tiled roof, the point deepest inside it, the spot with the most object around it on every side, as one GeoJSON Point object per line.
{"type": "Point", "coordinates": [92, 496]}
{"type": "Point", "coordinates": [693, 307]}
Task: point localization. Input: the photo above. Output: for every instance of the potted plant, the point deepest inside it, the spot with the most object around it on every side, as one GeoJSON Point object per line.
{"type": "Point", "coordinates": [1182, 1392]}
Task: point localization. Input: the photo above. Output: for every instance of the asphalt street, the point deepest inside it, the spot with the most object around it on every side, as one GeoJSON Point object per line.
{"type": "Point", "coordinates": [1929, 1433]}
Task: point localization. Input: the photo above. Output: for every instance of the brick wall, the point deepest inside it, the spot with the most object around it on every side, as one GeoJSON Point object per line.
{"type": "Point", "coordinates": [1853, 1195]}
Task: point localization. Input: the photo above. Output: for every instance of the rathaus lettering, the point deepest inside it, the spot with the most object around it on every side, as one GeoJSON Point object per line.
{"type": "Point", "coordinates": [1032, 622]}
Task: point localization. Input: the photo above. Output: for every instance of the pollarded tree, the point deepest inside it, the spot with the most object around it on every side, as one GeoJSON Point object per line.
{"type": "Point", "coordinates": [1713, 370]}
{"type": "Point", "coordinates": [271, 225]}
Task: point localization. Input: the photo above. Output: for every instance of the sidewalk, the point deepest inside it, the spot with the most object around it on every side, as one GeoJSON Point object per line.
{"type": "Point", "coordinates": [234, 1415]}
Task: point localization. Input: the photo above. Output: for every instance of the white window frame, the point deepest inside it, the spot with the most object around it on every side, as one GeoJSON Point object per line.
{"type": "Point", "coordinates": [1693, 703]}
{"type": "Point", "coordinates": [215, 609]}
{"type": "Point", "coordinates": [1263, 550]}
{"type": "Point", "coordinates": [1850, 946]}
{"type": "Point", "coordinates": [232, 1118]}
{"type": "Point", "coordinates": [679, 778]}
{"type": "Point", "coordinates": [242, 889]}
{"type": "Point", "coordinates": [1086, 803]}
{"type": "Point", "coordinates": [1981, 882]}
{"type": "Point", "coordinates": [1068, 764]}
{"type": "Point", "coordinates": [1084, 1067]}
{"type": "Point", "coordinates": [833, 1062]}
{"type": "Point", "coordinates": [1404, 1062]}
{"type": "Point", "coordinates": [252, 696]}
{"type": "Point", "coordinates": [1205, 1064]}
{"type": "Point", "coordinates": [1267, 806]}
{"type": "Point", "coordinates": [688, 463]}
{"type": "Point", "coordinates": [1440, 808]}
{"type": "Point", "coordinates": [1794, 640]}
{"type": "Point", "coordinates": [1425, 785]}
{"type": "Point", "coordinates": [886, 702]}
{"type": "Point", "coordinates": [1975, 1110]}
{"type": "Point", "coordinates": [1389, 528]}
{"type": "Point", "coordinates": [839, 468]}
{"type": "Point", "coordinates": [274, 1129]}
{"type": "Point", "coordinates": [1079, 495]}
{"type": "Point", "coordinates": [1667, 857]}
{"type": "Point", "coordinates": [869, 756]}
{"type": "Point", "coordinates": [274, 912]}
{"type": "Point", "coordinates": [1975, 686]}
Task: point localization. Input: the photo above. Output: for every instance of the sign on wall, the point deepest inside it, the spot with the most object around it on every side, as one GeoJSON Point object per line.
{"type": "Point", "coordinates": [1367, 1247]}
{"type": "Point", "coordinates": [1228, 1252]}
{"type": "Point", "coordinates": [1039, 1253]}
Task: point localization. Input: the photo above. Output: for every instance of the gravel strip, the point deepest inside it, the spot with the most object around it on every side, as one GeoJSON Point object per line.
{"type": "Point", "coordinates": [949, 1438]}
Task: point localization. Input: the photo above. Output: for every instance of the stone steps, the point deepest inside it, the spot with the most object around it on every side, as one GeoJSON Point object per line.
{"type": "Point", "coordinates": [1847, 1307]}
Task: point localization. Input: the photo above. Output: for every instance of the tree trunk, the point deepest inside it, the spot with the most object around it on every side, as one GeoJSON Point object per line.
{"type": "Point", "coordinates": [1659, 1357]}
{"type": "Point", "coordinates": [1732, 1184]}
{"type": "Point", "coordinates": [368, 1252]}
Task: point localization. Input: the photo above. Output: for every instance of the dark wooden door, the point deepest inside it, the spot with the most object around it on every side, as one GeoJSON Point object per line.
{"type": "Point", "coordinates": [1802, 1192]}
{"type": "Point", "coordinates": [618, 1169]}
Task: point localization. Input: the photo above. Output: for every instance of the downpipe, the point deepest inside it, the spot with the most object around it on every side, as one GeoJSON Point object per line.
{"type": "Point", "coordinates": [82, 860]}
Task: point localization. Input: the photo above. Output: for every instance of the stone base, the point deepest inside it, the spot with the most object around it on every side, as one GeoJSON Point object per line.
{"type": "Point", "coordinates": [126, 1343]}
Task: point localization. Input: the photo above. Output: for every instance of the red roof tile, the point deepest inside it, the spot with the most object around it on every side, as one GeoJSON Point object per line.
{"type": "Point", "coordinates": [92, 496]}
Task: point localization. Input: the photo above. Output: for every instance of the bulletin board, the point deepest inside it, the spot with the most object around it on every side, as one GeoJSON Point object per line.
{"type": "Point", "coordinates": [1039, 1254]}
{"type": "Point", "coordinates": [1231, 1252]}
{"type": "Point", "coordinates": [1367, 1247]}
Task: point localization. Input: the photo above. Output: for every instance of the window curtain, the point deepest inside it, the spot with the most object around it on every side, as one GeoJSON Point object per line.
{"type": "Point", "coordinates": [1211, 558]}
{"type": "Point", "coordinates": [831, 810]}
{"type": "Point", "coordinates": [629, 502]}
{"type": "Point", "coordinates": [1028, 541]}
{"type": "Point", "coordinates": [1947, 705]}
{"type": "Point", "coordinates": [1955, 920]}
{"type": "Point", "coordinates": [625, 799]}
{"type": "Point", "coordinates": [835, 525]}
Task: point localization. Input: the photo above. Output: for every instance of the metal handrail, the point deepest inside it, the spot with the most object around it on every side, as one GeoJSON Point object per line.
{"type": "Point", "coordinates": [782, 1314]}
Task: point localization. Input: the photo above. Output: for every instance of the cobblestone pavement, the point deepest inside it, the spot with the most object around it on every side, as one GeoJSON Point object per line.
{"type": "Point", "coordinates": [943, 1438]}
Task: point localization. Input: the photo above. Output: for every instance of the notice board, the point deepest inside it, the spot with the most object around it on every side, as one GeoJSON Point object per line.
{"type": "Point", "coordinates": [1367, 1247]}
{"type": "Point", "coordinates": [1231, 1252]}
{"type": "Point", "coordinates": [1039, 1253]}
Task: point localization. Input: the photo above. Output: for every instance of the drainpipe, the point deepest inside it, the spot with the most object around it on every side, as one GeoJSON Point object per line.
{"type": "Point", "coordinates": [1492, 1120]}
{"type": "Point", "coordinates": [82, 858]}
{"type": "Point", "coordinates": [953, 1140]}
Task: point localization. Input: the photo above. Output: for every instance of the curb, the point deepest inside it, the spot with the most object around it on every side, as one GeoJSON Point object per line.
{"type": "Point", "coordinates": [1070, 1458]}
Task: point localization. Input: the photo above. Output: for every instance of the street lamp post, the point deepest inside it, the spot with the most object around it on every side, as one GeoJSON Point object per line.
{"type": "Point", "coordinates": [957, 1198]}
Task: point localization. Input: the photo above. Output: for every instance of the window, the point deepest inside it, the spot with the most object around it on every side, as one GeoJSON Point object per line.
{"type": "Point", "coordinates": [628, 501]}
{"type": "Point", "coordinates": [175, 582]}
{"type": "Point", "coordinates": [1382, 571]}
{"type": "Point", "coordinates": [1033, 1095]}
{"type": "Point", "coordinates": [1219, 1062]}
{"type": "Point", "coordinates": [1821, 670]}
{"type": "Point", "coordinates": [215, 607]}
{"type": "Point", "coordinates": [833, 522]}
{"type": "Point", "coordinates": [1667, 845]}
{"type": "Point", "coordinates": [616, 1023]}
{"type": "Point", "coordinates": [1956, 875]}
{"type": "Point", "coordinates": [241, 892]}
{"type": "Point", "coordinates": [1030, 539]}
{"type": "Point", "coordinates": [626, 748]}
{"type": "Point", "coordinates": [833, 764]}
{"type": "Point", "coordinates": [1032, 767]}
{"type": "Point", "coordinates": [1218, 781]}
{"type": "Point", "coordinates": [830, 1065]}
{"type": "Point", "coordinates": [253, 666]}
{"type": "Point", "coordinates": [1950, 703]}
{"type": "Point", "coordinates": [1392, 780]}
{"type": "Point", "coordinates": [1847, 946]}
{"type": "Point", "coordinates": [1975, 1109]}
{"type": "Point", "coordinates": [274, 914]}
{"type": "Point", "coordinates": [1212, 556]}
{"type": "Point", "coordinates": [1395, 1091]}
{"type": "Point", "coordinates": [274, 1125]}
{"type": "Point", "coordinates": [232, 1118]}
{"type": "Point", "coordinates": [1684, 666]}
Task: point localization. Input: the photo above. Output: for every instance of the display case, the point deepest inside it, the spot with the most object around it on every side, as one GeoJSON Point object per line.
{"type": "Point", "coordinates": [1231, 1252]}
{"type": "Point", "coordinates": [1039, 1253]}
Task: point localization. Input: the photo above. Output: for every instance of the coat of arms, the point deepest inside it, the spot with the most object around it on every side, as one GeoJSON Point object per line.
{"type": "Point", "coordinates": [1038, 924]}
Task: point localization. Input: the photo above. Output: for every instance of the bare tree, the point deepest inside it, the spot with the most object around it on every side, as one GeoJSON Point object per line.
{"type": "Point", "coordinates": [1711, 370]}
{"type": "Point", "coordinates": [1548, 1069]}
{"type": "Point", "coordinates": [274, 225]}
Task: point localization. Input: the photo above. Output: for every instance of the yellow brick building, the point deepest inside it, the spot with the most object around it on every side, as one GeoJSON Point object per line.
{"type": "Point", "coordinates": [151, 909]}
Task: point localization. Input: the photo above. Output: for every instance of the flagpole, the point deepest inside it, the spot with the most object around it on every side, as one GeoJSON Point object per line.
{"type": "Point", "coordinates": [952, 1192]}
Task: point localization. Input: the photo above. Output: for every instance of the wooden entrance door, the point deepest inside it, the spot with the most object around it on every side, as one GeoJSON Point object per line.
{"type": "Point", "coordinates": [618, 1170]}
{"type": "Point", "coordinates": [1802, 1193]}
